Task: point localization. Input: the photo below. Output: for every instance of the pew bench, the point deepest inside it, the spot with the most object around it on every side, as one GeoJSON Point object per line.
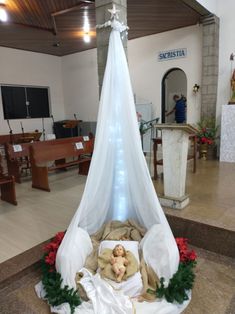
{"type": "Point", "coordinates": [7, 187]}
{"type": "Point", "coordinates": [58, 153]}
{"type": "Point", "coordinates": [17, 156]}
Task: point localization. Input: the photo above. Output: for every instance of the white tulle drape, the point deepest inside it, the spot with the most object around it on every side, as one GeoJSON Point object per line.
{"type": "Point", "coordinates": [118, 185]}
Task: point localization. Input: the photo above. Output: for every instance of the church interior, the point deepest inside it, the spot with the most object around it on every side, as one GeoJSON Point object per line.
{"type": "Point", "coordinates": [53, 142]}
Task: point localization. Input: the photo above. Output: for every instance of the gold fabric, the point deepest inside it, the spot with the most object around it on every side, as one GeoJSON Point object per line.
{"type": "Point", "coordinates": [105, 266]}
{"type": "Point", "coordinates": [129, 231]}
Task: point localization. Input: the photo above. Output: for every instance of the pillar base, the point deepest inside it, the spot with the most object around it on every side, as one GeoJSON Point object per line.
{"type": "Point", "coordinates": [174, 202]}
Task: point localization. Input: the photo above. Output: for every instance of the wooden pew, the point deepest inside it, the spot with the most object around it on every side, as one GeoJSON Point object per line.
{"type": "Point", "coordinates": [59, 151]}
{"type": "Point", "coordinates": [7, 187]}
{"type": "Point", "coordinates": [19, 137]}
{"type": "Point", "coordinates": [17, 157]}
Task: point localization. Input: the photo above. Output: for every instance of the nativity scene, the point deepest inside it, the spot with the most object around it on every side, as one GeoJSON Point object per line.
{"type": "Point", "coordinates": [118, 254]}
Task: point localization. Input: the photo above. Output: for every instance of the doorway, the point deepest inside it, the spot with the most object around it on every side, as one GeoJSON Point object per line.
{"type": "Point", "coordinates": [174, 82]}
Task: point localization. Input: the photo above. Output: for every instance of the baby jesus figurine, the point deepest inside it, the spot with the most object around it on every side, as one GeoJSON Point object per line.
{"type": "Point", "coordinates": [119, 262]}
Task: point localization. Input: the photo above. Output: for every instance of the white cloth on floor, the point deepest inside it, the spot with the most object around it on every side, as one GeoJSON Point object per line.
{"type": "Point", "coordinates": [103, 298]}
{"type": "Point", "coordinates": [132, 287]}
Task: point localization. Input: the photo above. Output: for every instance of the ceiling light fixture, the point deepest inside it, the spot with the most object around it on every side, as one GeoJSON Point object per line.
{"type": "Point", "coordinates": [86, 29]}
{"type": "Point", "coordinates": [3, 13]}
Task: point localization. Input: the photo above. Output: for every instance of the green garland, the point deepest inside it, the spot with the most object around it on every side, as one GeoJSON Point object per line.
{"type": "Point", "coordinates": [52, 280]}
{"type": "Point", "coordinates": [179, 284]}
{"type": "Point", "coordinates": [56, 295]}
{"type": "Point", "coordinates": [182, 281]}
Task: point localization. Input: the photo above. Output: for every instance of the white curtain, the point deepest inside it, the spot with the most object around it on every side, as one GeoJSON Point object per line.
{"type": "Point", "coordinates": [118, 185]}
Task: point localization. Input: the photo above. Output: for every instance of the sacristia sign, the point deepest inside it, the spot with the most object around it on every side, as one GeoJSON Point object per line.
{"type": "Point", "coordinates": [172, 54]}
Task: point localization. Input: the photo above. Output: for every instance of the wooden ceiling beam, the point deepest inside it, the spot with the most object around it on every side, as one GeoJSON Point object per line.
{"type": "Point", "coordinates": [40, 28]}
{"type": "Point", "coordinates": [74, 7]}
{"type": "Point", "coordinates": [55, 27]}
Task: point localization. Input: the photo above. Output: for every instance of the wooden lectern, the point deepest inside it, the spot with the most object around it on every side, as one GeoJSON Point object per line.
{"type": "Point", "coordinates": [175, 139]}
{"type": "Point", "coordinates": [71, 124]}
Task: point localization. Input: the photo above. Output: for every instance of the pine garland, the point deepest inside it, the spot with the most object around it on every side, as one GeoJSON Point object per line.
{"type": "Point", "coordinates": [176, 291]}
{"type": "Point", "coordinates": [182, 281]}
{"type": "Point", "coordinates": [52, 280]}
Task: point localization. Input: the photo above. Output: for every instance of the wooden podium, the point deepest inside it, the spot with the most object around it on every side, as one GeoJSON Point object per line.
{"type": "Point", "coordinates": [71, 124]}
{"type": "Point", "coordinates": [175, 139]}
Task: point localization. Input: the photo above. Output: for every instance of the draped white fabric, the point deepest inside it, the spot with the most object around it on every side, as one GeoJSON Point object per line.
{"type": "Point", "coordinates": [118, 185]}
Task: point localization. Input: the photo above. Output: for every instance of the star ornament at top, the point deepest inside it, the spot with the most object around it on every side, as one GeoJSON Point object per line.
{"type": "Point", "coordinates": [114, 12]}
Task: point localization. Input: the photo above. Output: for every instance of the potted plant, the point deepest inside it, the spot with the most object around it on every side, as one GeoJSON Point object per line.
{"type": "Point", "coordinates": [207, 135]}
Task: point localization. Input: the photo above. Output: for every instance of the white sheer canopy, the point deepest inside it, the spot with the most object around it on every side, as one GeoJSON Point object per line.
{"type": "Point", "coordinates": [118, 185]}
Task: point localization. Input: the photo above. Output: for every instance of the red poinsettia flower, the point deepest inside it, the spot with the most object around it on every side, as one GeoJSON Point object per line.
{"type": "Point", "coordinates": [59, 237]}
{"type": "Point", "coordinates": [192, 255]}
{"type": "Point", "coordinates": [204, 140]}
{"type": "Point", "coordinates": [51, 246]}
{"type": "Point", "coordinates": [185, 254]}
{"type": "Point", "coordinates": [50, 258]}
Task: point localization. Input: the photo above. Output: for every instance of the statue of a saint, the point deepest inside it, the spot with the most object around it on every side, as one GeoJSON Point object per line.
{"type": "Point", "coordinates": [232, 100]}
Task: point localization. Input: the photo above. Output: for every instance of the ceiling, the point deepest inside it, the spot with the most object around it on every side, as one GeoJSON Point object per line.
{"type": "Point", "coordinates": [56, 26]}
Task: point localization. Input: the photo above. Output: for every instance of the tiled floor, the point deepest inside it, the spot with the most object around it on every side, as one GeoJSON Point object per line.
{"type": "Point", "coordinates": [212, 194]}
{"type": "Point", "coordinates": [214, 288]}
{"type": "Point", "coordinates": [39, 215]}
{"type": "Point", "coordinates": [213, 292]}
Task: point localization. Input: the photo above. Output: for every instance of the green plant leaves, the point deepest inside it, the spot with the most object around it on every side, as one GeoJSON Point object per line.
{"type": "Point", "coordinates": [56, 295]}
{"type": "Point", "coordinates": [179, 284]}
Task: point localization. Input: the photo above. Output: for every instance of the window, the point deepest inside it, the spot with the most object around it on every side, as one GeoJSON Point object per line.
{"type": "Point", "coordinates": [21, 102]}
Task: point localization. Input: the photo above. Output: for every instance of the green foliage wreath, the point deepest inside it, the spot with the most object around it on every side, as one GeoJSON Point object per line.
{"type": "Point", "coordinates": [182, 281]}
{"type": "Point", "coordinates": [52, 280]}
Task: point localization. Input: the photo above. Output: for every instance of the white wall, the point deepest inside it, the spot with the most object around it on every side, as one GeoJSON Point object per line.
{"type": "Point", "coordinates": [210, 5]}
{"type": "Point", "coordinates": [147, 72]}
{"type": "Point", "coordinates": [80, 84]}
{"type": "Point", "coordinates": [29, 68]}
{"type": "Point", "coordinates": [73, 79]}
{"type": "Point", "coordinates": [80, 78]}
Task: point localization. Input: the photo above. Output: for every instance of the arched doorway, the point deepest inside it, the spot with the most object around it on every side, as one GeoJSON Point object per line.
{"type": "Point", "coordinates": [174, 82]}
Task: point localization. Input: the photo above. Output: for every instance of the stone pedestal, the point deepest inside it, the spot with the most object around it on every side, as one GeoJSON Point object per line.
{"type": "Point", "coordinates": [175, 139]}
{"type": "Point", "coordinates": [227, 140]}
